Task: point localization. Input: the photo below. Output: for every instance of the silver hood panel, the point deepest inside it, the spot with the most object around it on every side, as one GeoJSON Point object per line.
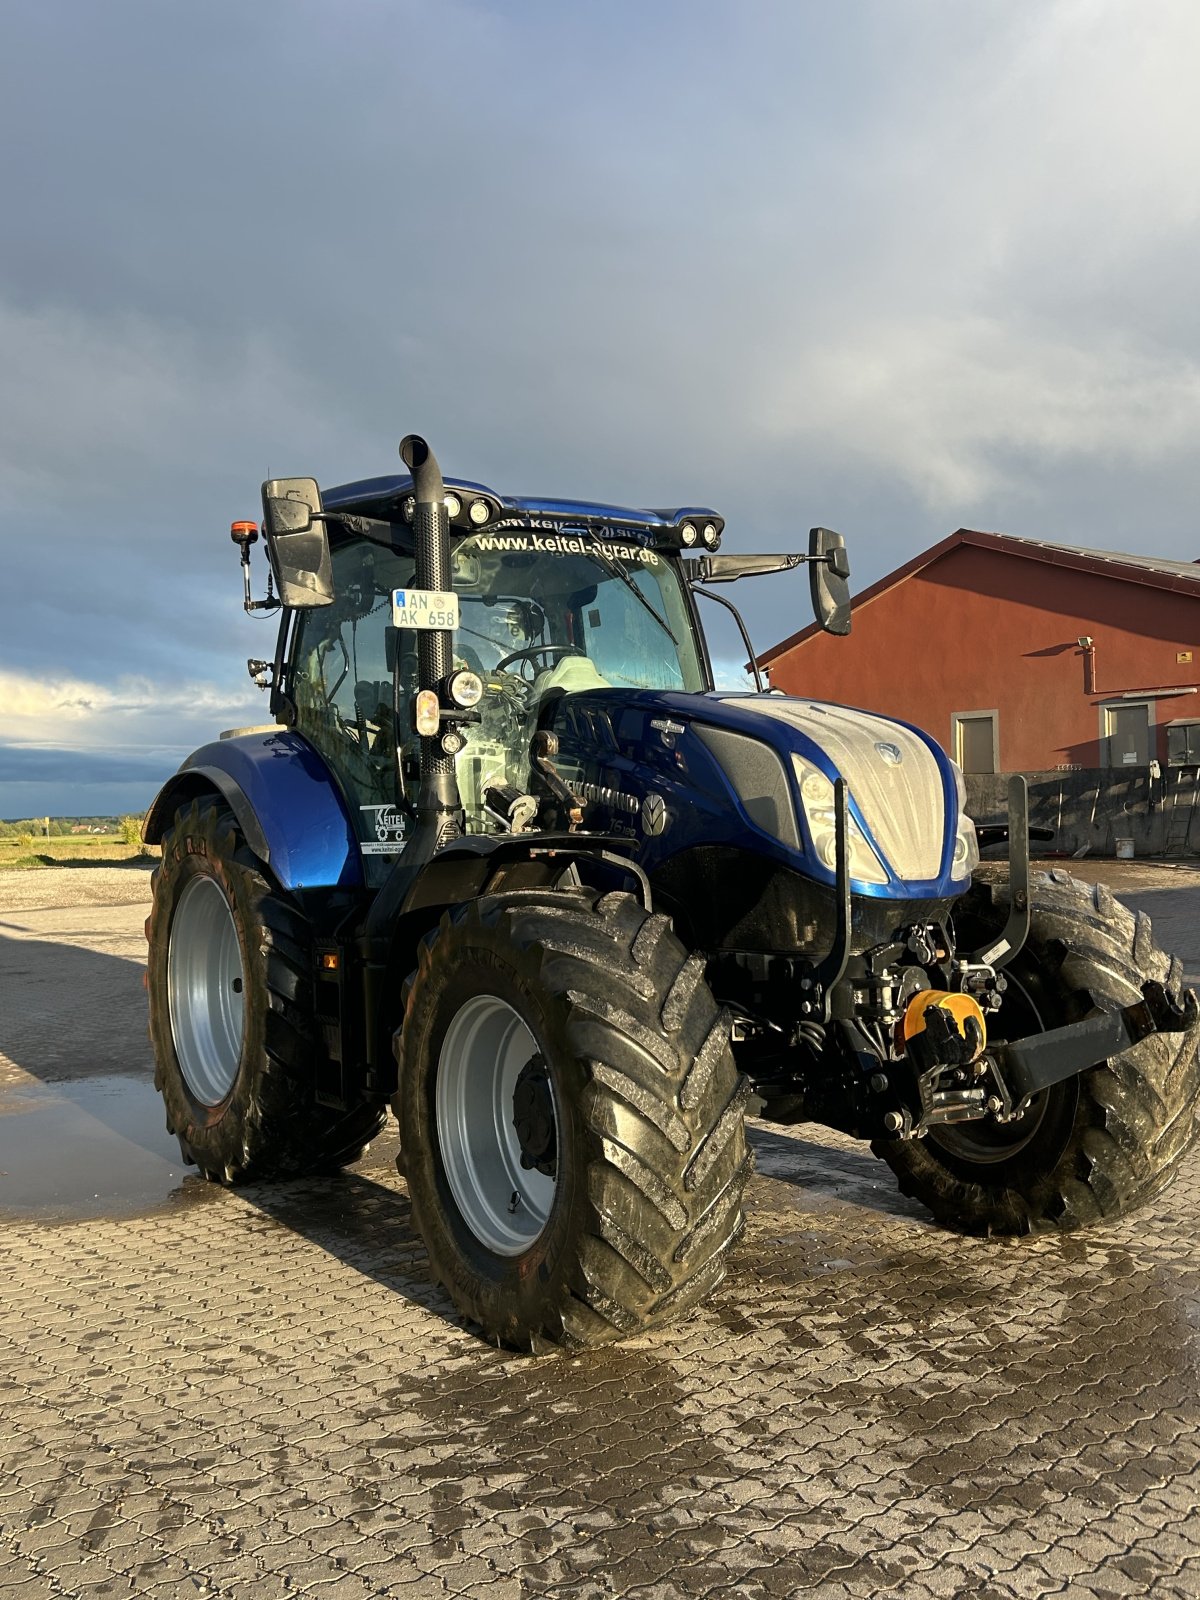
{"type": "Point", "coordinates": [901, 801]}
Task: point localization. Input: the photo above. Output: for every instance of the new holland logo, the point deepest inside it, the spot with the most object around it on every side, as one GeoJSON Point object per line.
{"type": "Point", "coordinates": [654, 815]}
{"type": "Point", "coordinates": [891, 753]}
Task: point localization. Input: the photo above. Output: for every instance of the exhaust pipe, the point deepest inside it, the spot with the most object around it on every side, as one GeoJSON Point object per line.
{"type": "Point", "coordinates": [438, 801]}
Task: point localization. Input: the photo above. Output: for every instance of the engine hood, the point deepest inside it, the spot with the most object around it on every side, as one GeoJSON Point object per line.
{"type": "Point", "coordinates": [726, 765]}
{"type": "Point", "coordinates": [889, 768]}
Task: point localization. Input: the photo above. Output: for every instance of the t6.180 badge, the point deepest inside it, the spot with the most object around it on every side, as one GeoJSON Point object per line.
{"type": "Point", "coordinates": [390, 829]}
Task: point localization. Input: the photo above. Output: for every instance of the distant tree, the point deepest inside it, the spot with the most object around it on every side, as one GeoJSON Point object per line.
{"type": "Point", "coordinates": [131, 830]}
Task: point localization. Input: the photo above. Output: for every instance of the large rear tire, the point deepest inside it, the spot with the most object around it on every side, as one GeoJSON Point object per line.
{"type": "Point", "coordinates": [571, 1119]}
{"type": "Point", "coordinates": [231, 1012]}
{"type": "Point", "coordinates": [1098, 1146]}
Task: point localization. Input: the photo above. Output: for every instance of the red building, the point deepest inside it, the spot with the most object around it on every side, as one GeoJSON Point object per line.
{"type": "Point", "coordinates": [1020, 656]}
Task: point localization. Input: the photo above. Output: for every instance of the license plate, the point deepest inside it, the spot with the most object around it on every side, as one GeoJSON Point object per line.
{"type": "Point", "coordinates": [424, 608]}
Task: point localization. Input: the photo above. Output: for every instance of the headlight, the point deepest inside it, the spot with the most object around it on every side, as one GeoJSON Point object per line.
{"type": "Point", "coordinates": [966, 843]}
{"type": "Point", "coordinates": [465, 688]}
{"type": "Point", "coordinates": [820, 810]}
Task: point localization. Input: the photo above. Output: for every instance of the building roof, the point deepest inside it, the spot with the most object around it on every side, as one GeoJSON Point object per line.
{"type": "Point", "coordinates": [1155, 571]}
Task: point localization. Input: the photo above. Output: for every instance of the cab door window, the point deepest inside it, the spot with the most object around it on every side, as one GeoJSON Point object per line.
{"type": "Point", "coordinates": [341, 684]}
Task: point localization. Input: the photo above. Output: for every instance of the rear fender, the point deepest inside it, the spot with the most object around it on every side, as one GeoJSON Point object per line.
{"type": "Point", "coordinates": [286, 802]}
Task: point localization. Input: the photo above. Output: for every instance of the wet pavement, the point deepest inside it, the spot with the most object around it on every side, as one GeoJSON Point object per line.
{"type": "Point", "coordinates": [88, 1147]}
{"type": "Point", "coordinates": [259, 1393]}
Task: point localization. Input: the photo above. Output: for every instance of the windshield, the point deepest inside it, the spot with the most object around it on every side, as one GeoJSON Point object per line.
{"type": "Point", "coordinates": [540, 613]}
{"type": "Point", "coordinates": [613, 607]}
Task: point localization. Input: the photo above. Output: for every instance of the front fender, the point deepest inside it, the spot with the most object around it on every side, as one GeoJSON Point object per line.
{"type": "Point", "coordinates": [286, 802]}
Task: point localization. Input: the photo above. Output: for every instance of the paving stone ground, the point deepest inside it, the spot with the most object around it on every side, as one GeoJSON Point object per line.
{"type": "Point", "coordinates": [260, 1394]}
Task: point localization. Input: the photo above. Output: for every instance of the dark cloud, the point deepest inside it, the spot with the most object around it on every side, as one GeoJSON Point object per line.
{"type": "Point", "coordinates": [890, 269]}
{"type": "Point", "coordinates": [22, 764]}
{"type": "Point", "coordinates": [47, 781]}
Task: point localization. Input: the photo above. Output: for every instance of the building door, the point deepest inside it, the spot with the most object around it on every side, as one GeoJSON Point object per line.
{"type": "Point", "coordinates": [975, 740]}
{"type": "Point", "coordinates": [1126, 735]}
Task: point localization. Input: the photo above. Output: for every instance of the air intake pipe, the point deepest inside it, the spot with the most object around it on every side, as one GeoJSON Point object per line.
{"type": "Point", "coordinates": [438, 801]}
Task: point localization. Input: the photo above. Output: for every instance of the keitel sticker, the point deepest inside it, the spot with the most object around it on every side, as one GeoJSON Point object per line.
{"type": "Point", "coordinates": [568, 544]}
{"type": "Point", "coordinates": [390, 828]}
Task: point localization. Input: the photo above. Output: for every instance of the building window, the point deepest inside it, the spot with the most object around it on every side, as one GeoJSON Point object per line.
{"type": "Point", "coordinates": [975, 736]}
{"type": "Point", "coordinates": [1183, 742]}
{"type": "Point", "coordinates": [1125, 733]}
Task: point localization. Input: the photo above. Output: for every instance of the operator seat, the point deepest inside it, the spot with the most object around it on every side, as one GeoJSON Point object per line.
{"type": "Point", "coordinates": [569, 673]}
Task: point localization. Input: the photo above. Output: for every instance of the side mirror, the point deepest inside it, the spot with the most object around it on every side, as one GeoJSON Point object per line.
{"type": "Point", "coordinates": [297, 542]}
{"type": "Point", "coordinates": [829, 579]}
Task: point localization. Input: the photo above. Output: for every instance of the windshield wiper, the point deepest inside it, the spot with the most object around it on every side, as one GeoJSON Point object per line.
{"type": "Point", "coordinates": [610, 564]}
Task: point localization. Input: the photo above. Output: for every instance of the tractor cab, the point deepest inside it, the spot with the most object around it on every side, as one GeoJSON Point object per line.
{"type": "Point", "coordinates": [552, 599]}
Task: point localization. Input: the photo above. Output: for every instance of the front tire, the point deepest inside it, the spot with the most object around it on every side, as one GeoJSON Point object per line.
{"type": "Point", "coordinates": [571, 1120]}
{"type": "Point", "coordinates": [1099, 1145]}
{"type": "Point", "coordinates": [231, 1012]}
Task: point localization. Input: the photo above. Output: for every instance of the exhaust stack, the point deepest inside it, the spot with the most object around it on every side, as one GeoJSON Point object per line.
{"type": "Point", "coordinates": [438, 801]}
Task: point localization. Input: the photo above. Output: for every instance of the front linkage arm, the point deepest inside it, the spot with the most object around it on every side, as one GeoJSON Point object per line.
{"type": "Point", "coordinates": [1028, 1066]}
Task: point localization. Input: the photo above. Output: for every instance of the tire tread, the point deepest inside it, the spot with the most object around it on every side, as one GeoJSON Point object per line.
{"type": "Point", "coordinates": [1138, 1114]}
{"type": "Point", "coordinates": [276, 1128]}
{"type": "Point", "coordinates": [662, 1109]}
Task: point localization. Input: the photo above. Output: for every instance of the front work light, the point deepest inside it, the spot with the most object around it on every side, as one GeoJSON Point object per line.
{"type": "Point", "coordinates": [465, 688]}
{"type": "Point", "coordinates": [687, 533]}
{"type": "Point", "coordinates": [453, 505]}
{"type": "Point", "coordinates": [712, 536]}
{"type": "Point", "coordinates": [479, 511]}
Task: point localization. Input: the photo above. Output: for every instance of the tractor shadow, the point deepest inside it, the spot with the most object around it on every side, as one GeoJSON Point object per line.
{"type": "Point", "coordinates": [82, 1131]}
{"type": "Point", "coordinates": [824, 1167]}
{"type": "Point", "coordinates": [81, 1127]}
{"type": "Point", "coordinates": [362, 1222]}
{"type": "Point", "coordinates": [68, 1012]}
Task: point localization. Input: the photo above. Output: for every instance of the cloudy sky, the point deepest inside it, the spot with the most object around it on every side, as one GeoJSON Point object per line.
{"type": "Point", "coordinates": [893, 267]}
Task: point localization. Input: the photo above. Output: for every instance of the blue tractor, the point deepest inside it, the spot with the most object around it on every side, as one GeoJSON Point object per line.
{"type": "Point", "coordinates": [506, 860]}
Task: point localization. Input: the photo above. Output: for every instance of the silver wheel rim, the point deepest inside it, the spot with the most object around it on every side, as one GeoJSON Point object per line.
{"type": "Point", "coordinates": [205, 980]}
{"type": "Point", "coordinates": [504, 1204]}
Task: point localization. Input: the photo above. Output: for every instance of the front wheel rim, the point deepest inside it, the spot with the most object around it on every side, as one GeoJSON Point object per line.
{"type": "Point", "coordinates": [485, 1050]}
{"type": "Point", "coordinates": [989, 1143]}
{"type": "Point", "coordinates": [205, 991]}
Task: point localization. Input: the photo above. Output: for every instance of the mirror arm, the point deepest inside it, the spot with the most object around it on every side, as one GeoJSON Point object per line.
{"type": "Point", "coordinates": [365, 527]}
{"type": "Point", "coordinates": [270, 603]}
{"type": "Point", "coordinates": [737, 615]}
{"type": "Point", "coordinates": [787, 562]}
{"type": "Point", "coordinates": [704, 569]}
{"type": "Point", "coordinates": [249, 604]}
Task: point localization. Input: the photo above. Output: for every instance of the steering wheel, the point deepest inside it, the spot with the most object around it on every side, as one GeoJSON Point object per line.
{"type": "Point", "coordinates": [531, 652]}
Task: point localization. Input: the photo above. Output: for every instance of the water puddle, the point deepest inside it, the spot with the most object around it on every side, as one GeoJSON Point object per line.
{"type": "Point", "coordinates": [91, 1147]}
